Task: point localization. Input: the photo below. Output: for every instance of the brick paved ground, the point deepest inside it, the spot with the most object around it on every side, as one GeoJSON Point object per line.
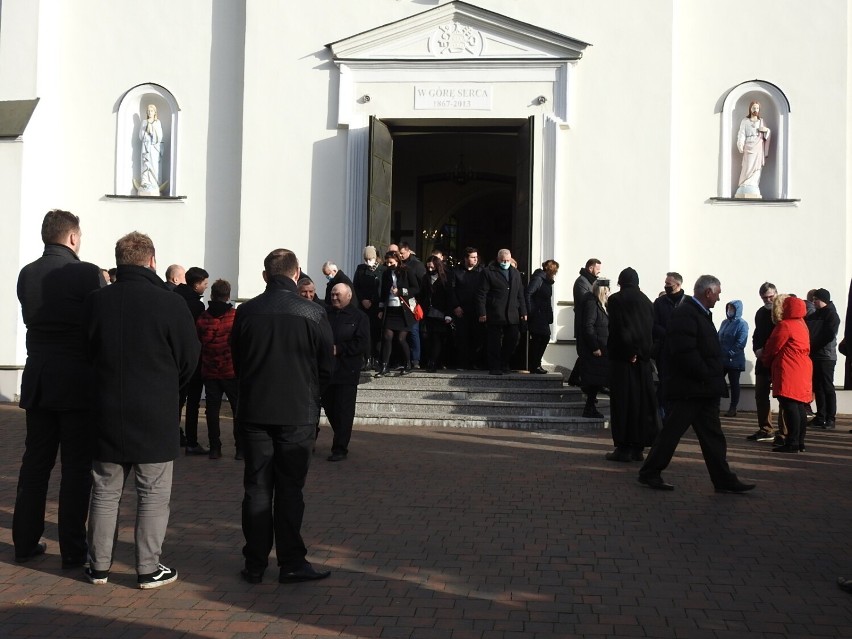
{"type": "Point", "coordinates": [475, 534]}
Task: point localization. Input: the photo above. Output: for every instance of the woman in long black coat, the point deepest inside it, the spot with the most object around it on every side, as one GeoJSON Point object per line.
{"type": "Point", "coordinates": [438, 299]}
{"type": "Point", "coordinates": [539, 296]}
{"type": "Point", "coordinates": [399, 286]}
{"type": "Point", "coordinates": [592, 347]}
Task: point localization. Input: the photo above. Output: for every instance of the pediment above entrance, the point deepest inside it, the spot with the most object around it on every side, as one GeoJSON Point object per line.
{"type": "Point", "coordinates": [457, 31]}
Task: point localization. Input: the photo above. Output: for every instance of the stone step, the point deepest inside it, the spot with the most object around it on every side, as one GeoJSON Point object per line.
{"type": "Point", "coordinates": [434, 420]}
{"type": "Point", "coordinates": [414, 406]}
{"type": "Point", "coordinates": [525, 395]}
{"type": "Point", "coordinates": [453, 379]}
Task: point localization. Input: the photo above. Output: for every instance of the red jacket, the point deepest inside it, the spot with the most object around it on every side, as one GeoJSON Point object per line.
{"type": "Point", "coordinates": [214, 331]}
{"type": "Point", "coordinates": [786, 354]}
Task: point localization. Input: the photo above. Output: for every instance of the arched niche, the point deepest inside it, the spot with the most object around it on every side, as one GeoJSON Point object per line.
{"type": "Point", "coordinates": [132, 111]}
{"type": "Point", "coordinates": [775, 111]}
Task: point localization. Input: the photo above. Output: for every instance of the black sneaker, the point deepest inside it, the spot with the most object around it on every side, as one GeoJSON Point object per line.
{"type": "Point", "coordinates": [97, 577]}
{"type": "Point", "coordinates": [198, 449]}
{"type": "Point", "coordinates": [159, 577]}
{"type": "Point", "coordinates": [761, 436]}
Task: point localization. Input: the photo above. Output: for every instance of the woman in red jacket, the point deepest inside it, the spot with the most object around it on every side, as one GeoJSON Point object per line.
{"type": "Point", "coordinates": [787, 354]}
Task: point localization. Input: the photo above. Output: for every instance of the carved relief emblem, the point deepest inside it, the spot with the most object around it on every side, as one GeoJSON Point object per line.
{"type": "Point", "coordinates": [454, 39]}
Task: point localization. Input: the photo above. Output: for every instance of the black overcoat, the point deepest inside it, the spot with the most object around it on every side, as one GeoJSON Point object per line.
{"type": "Point", "coordinates": [144, 346]}
{"type": "Point", "coordinates": [594, 370]}
{"type": "Point", "coordinates": [282, 348]}
{"type": "Point", "coordinates": [631, 324]}
{"type": "Point", "coordinates": [539, 298]}
{"type": "Point", "coordinates": [407, 286]}
{"type": "Point", "coordinates": [692, 355]}
{"type": "Point", "coordinates": [351, 331]}
{"type": "Point", "coordinates": [57, 374]}
{"type": "Point", "coordinates": [501, 300]}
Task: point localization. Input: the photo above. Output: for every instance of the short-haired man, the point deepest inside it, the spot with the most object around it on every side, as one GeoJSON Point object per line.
{"type": "Point", "coordinates": [56, 391]}
{"type": "Point", "coordinates": [824, 324]}
{"type": "Point", "coordinates": [175, 276]}
{"type": "Point", "coordinates": [664, 306]}
{"type": "Point", "coordinates": [470, 336]}
{"type": "Point", "coordinates": [307, 289]}
{"type": "Point", "coordinates": [351, 330]}
{"type": "Point", "coordinates": [582, 287]}
{"type": "Point", "coordinates": [763, 326]}
{"type": "Point", "coordinates": [143, 344]}
{"type": "Point", "coordinates": [192, 291]}
{"type": "Point", "coordinates": [501, 307]}
{"type": "Point", "coordinates": [282, 346]}
{"type": "Point", "coordinates": [217, 365]}
{"type": "Point", "coordinates": [695, 384]}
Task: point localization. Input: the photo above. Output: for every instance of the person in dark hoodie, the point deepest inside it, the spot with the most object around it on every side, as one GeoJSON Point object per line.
{"type": "Point", "coordinates": [539, 296]}
{"type": "Point", "coordinates": [190, 395]}
{"type": "Point", "coordinates": [733, 337]}
{"type": "Point", "coordinates": [824, 324]}
{"type": "Point", "coordinates": [217, 364]}
{"type": "Point", "coordinates": [633, 403]}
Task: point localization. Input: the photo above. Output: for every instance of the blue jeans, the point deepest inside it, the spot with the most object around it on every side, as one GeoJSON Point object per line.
{"type": "Point", "coordinates": [276, 465]}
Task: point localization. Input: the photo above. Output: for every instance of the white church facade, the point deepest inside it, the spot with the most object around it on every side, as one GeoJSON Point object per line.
{"type": "Point", "coordinates": [563, 129]}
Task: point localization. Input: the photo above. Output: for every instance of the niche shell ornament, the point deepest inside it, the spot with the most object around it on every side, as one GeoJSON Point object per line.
{"type": "Point", "coordinates": [454, 39]}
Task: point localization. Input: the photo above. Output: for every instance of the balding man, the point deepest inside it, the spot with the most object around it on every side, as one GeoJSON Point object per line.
{"type": "Point", "coordinates": [175, 275]}
{"type": "Point", "coordinates": [351, 330]}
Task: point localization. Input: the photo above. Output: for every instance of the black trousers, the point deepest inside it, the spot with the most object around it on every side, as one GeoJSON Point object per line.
{"type": "Point", "coordinates": [213, 391]}
{"type": "Point", "coordinates": [338, 401]}
{"type": "Point", "coordinates": [538, 344]}
{"type": "Point", "coordinates": [276, 465]}
{"type": "Point", "coordinates": [469, 340]}
{"type": "Point", "coordinates": [502, 341]}
{"type": "Point", "coordinates": [190, 396]}
{"type": "Point", "coordinates": [824, 393]}
{"type": "Point", "coordinates": [49, 432]}
{"type": "Point", "coordinates": [795, 419]}
{"type": "Point", "coordinates": [703, 416]}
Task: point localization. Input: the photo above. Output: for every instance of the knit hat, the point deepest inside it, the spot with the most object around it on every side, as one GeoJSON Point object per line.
{"type": "Point", "coordinates": [628, 277]}
{"type": "Point", "coordinates": [370, 253]}
{"type": "Point", "coordinates": [823, 295]}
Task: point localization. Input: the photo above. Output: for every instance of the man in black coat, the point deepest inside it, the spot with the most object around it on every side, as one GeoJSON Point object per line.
{"type": "Point", "coordinates": [582, 287]}
{"type": "Point", "coordinates": [144, 346]}
{"type": "Point", "coordinates": [501, 307]}
{"type": "Point", "coordinates": [664, 306]}
{"type": "Point", "coordinates": [192, 291]}
{"type": "Point", "coordinates": [763, 326]}
{"type": "Point", "coordinates": [56, 391]}
{"type": "Point", "coordinates": [417, 270]}
{"type": "Point", "coordinates": [633, 404]}
{"type": "Point", "coordinates": [694, 386]}
{"type": "Point", "coordinates": [824, 324]}
{"type": "Point", "coordinates": [282, 347]}
{"type": "Point", "coordinates": [334, 276]}
{"type": "Point", "coordinates": [351, 330]}
{"type": "Point", "coordinates": [470, 334]}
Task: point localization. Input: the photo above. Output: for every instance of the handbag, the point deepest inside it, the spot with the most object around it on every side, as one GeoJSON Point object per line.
{"type": "Point", "coordinates": [416, 309]}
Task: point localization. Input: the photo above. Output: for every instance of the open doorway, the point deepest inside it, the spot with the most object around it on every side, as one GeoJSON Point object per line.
{"type": "Point", "coordinates": [449, 186]}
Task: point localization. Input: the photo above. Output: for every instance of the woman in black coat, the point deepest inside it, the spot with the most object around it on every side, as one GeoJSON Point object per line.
{"type": "Point", "coordinates": [438, 299]}
{"type": "Point", "coordinates": [592, 347]}
{"type": "Point", "coordinates": [539, 296]}
{"type": "Point", "coordinates": [399, 286]}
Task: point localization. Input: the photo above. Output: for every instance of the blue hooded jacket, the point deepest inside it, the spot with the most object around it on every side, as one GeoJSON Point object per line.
{"type": "Point", "coordinates": [733, 336]}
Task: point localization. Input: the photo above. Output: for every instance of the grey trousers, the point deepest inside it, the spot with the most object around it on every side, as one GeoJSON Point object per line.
{"type": "Point", "coordinates": [153, 493]}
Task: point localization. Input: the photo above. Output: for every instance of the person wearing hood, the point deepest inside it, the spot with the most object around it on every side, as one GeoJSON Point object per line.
{"type": "Point", "coordinates": [633, 404]}
{"type": "Point", "coordinates": [539, 298]}
{"type": "Point", "coordinates": [823, 325]}
{"type": "Point", "coordinates": [217, 365]}
{"type": "Point", "coordinates": [366, 282]}
{"type": "Point", "coordinates": [695, 385]}
{"type": "Point", "coordinates": [733, 336]}
{"type": "Point", "coordinates": [582, 287]}
{"type": "Point", "coordinates": [786, 355]}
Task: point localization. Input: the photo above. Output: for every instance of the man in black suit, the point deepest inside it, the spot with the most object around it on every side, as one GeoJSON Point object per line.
{"type": "Point", "coordinates": [501, 307]}
{"type": "Point", "coordinates": [282, 347]}
{"type": "Point", "coordinates": [694, 386]}
{"type": "Point", "coordinates": [56, 391]}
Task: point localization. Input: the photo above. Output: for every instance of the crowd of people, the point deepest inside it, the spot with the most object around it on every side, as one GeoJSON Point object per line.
{"type": "Point", "coordinates": [285, 354]}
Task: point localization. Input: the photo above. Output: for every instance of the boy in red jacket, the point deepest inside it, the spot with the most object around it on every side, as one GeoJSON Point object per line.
{"type": "Point", "coordinates": [217, 365]}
